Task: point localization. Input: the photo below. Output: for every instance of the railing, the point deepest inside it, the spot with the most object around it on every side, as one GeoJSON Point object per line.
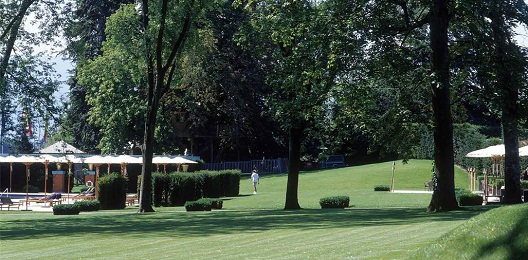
{"type": "Point", "coordinates": [4, 192]}
{"type": "Point", "coordinates": [263, 166]}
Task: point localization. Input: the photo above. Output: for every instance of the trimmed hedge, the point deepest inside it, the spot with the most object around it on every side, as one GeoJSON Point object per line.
{"type": "Point", "coordinates": [467, 198]}
{"type": "Point", "coordinates": [176, 188]}
{"type": "Point", "coordinates": [66, 209]}
{"type": "Point", "coordinates": [335, 202]}
{"type": "Point", "coordinates": [88, 205]}
{"type": "Point", "coordinates": [524, 185]}
{"type": "Point", "coordinates": [470, 200]}
{"type": "Point", "coordinates": [198, 205]}
{"type": "Point", "coordinates": [381, 188]}
{"type": "Point", "coordinates": [112, 191]}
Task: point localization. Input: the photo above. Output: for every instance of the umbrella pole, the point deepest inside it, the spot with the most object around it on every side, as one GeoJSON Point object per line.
{"type": "Point", "coordinates": [27, 183]}
{"type": "Point", "coordinates": [96, 177]}
{"type": "Point", "coordinates": [45, 177]}
{"type": "Point", "coordinates": [69, 176]}
{"type": "Point", "coordinates": [10, 177]}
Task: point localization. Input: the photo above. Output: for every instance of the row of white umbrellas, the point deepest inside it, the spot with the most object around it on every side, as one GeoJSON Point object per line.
{"type": "Point", "coordinates": [495, 151]}
{"type": "Point", "coordinates": [93, 159]}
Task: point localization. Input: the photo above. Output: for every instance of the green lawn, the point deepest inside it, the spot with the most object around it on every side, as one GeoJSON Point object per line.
{"type": "Point", "coordinates": [380, 225]}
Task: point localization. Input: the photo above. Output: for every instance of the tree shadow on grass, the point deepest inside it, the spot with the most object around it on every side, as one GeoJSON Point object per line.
{"type": "Point", "coordinates": [185, 224]}
{"type": "Point", "coordinates": [513, 244]}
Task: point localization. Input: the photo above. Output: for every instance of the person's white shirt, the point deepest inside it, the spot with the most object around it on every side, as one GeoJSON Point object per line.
{"type": "Point", "coordinates": [254, 177]}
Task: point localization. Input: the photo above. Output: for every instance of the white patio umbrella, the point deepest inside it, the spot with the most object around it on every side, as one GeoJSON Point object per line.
{"type": "Point", "coordinates": [523, 151]}
{"type": "Point", "coordinates": [169, 159]}
{"type": "Point", "coordinates": [492, 151]}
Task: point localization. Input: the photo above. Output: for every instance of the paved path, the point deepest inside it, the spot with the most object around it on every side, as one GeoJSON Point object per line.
{"type": "Point", "coordinates": [413, 191]}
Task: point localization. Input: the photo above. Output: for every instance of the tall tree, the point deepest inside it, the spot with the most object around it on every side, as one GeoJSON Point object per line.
{"type": "Point", "coordinates": [295, 34]}
{"type": "Point", "coordinates": [85, 34]}
{"type": "Point", "coordinates": [510, 66]}
{"type": "Point", "coordinates": [164, 41]}
{"type": "Point", "coordinates": [443, 198]}
{"type": "Point", "coordinates": [489, 49]}
{"type": "Point", "coordinates": [27, 78]}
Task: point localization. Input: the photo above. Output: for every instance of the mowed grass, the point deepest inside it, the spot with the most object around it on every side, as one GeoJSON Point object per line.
{"type": "Point", "coordinates": [380, 225]}
{"type": "Point", "coordinates": [501, 233]}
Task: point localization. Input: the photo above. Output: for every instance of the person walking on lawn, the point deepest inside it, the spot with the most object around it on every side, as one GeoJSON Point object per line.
{"type": "Point", "coordinates": [255, 180]}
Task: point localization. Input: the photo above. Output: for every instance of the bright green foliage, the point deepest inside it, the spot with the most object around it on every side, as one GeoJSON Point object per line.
{"type": "Point", "coordinates": [115, 90]}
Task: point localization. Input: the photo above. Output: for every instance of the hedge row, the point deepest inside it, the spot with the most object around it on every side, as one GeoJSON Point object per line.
{"type": "Point", "coordinates": [176, 188]}
{"type": "Point", "coordinates": [467, 198]}
{"type": "Point", "coordinates": [335, 202]}
{"type": "Point", "coordinates": [203, 204]}
{"type": "Point", "coordinates": [381, 188]}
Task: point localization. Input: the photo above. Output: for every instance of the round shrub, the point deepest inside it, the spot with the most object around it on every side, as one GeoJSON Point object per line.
{"type": "Point", "coordinates": [381, 188]}
{"type": "Point", "coordinates": [198, 205]}
{"type": "Point", "coordinates": [66, 209]}
{"type": "Point", "coordinates": [88, 205]}
{"type": "Point", "coordinates": [335, 202]}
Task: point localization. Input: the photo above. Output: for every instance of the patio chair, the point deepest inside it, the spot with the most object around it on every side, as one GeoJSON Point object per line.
{"type": "Point", "coordinates": [52, 199]}
{"type": "Point", "coordinates": [7, 202]}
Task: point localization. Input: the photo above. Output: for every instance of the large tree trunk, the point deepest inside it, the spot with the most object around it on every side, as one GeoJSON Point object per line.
{"type": "Point", "coordinates": [443, 198]}
{"type": "Point", "coordinates": [292, 201]}
{"type": "Point", "coordinates": [145, 199]}
{"type": "Point", "coordinates": [145, 189]}
{"type": "Point", "coordinates": [508, 85]}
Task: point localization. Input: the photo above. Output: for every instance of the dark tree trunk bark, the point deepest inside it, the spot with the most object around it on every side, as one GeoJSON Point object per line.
{"type": "Point", "coordinates": [145, 189]}
{"type": "Point", "coordinates": [292, 200]}
{"type": "Point", "coordinates": [443, 198]}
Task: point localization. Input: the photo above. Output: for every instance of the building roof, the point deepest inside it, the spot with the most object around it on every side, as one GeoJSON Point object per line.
{"type": "Point", "coordinates": [60, 147]}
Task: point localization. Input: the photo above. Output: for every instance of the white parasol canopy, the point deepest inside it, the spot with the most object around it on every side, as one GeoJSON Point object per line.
{"type": "Point", "coordinates": [495, 151]}
{"type": "Point", "coordinates": [171, 160]}
{"type": "Point", "coordinates": [523, 151]}
{"type": "Point", "coordinates": [492, 151]}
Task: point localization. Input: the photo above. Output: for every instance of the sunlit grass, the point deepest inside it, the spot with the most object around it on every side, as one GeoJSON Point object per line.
{"type": "Point", "coordinates": [380, 225]}
{"type": "Point", "coordinates": [501, 233]}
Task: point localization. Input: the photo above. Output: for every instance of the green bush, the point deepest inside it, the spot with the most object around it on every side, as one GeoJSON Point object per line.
{"type": "Point", "coordinates": [467, 198]}
{"type": "Point", "coordinates": [66, 209]}
{"type": "Point", "coordinates": [88, 205]}
{"type": "Point", "coordinates": [470, 200]}
{"type": "Point", "coordinates": [381, 188]}
{"type": "Point", "coordinates": [112, 191]}
{"type": "Point", "coordinates": [176, 188]}
{"type": "Point", "coordinates": [524, 185]}
{"type": "Point", "coordinates": [160, 186]}
{"type": "Point", "coordinates": [217, 203]}
{"type": "Point", "coordinates": [335, 202]}
{"type": "Point", "coordinates": [198, 205]}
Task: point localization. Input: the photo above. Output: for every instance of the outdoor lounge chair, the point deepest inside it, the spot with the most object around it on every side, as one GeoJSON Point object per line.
{"type": "Point", "coordinates": [52, 199]}
{"type": "Point", "coordinates": [7, 202]}
{"type": "Point", "coordinates": [88, 194]}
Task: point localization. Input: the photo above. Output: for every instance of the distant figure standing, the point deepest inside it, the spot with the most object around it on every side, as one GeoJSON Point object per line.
{"type": "Point", "coordinates": [255, 180]}
{"type": "Point", "coordinates": [525, 175]}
